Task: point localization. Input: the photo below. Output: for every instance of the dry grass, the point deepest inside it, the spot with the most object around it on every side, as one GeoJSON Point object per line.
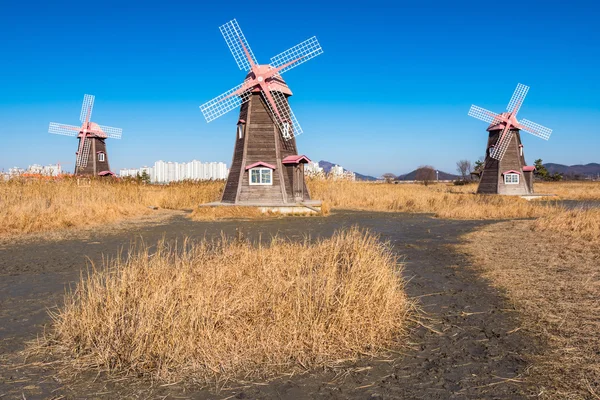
{"type": "Point", "coordinates": [552, 275]}
{"type": "Point", "coordinates": [35, 205]}
{"type": "Point", "coordinates": [445, 201]}
{"type": "Point", "coordinates": [229, 309]}
{"type": "Point", "coordinates": [240, 212]}
{"type": "Point", "coordinates": [574, 190]}
{"type": "Point", "coordinates": [228, 212]}
{"type": "Point", "coordinates": [28, 206]}
{"type": "Point", "coordinates": [577, 224]}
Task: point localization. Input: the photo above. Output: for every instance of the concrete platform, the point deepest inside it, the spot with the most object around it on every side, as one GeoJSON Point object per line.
{"type": "Point", "coordinates": [305, 207]}
{"type": "Point", "coordinates": [536, 196]}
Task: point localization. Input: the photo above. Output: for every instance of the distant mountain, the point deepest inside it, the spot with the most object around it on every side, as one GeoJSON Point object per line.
{"type": "Point", "coordinates": [443, 176]}
{"type": "Point", "coordinates": [587, 170]}
{"type": "Point", "coordinates": [326, 165]}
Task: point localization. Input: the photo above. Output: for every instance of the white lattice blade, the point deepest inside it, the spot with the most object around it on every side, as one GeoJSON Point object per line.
{"type": "Point", "coordinates": [536, 129]}
{"type": "Point", "coordinates": [502, 145]}
{"type": "Point", "coordinates": [62, 129]}
{"type": "Point", "coordinates": [224, 103]}
{"type": "Point", "coordinates": [110, 132]}
{"type": "Point", "coordinates": [288, 124]}
{"type": "Point", "coordinates": [302, 52]}
{"type": "Point", "coordinates": [484, 115]}
{"type": "Point", "coordinates": [234, 37]}
{"type": "Point", "coordinates": [87, 107]}
{"type": "Point", "coordinates": [516, 101]}
{"type": "Point", "coordinates": [82, 156]}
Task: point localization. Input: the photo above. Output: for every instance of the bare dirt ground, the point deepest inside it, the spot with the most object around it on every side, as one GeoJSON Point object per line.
{"type": "Point", "coordinates": [466, 345]}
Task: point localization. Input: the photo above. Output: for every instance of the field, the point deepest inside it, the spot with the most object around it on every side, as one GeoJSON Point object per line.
{"type": "Point", "coordinates": [403, 291]}
{"type": "Point", "coordinates": [36, 205]}
{"type": "Point", "coordinates": [29, 206]}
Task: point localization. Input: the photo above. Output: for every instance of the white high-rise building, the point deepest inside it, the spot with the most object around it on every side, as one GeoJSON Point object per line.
{"type": "Point", "coordinates": [165, 172]}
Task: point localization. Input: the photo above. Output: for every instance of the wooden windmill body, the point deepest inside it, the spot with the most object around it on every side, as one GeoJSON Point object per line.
{"type": "Point", "coordinates": [266, 168]}
{"type": "Point", "coordinates": [505, 170]}
{"type": "Point", "coordinates": [91, 156]}
{"type": "Point", "coordinates": [260, 145]}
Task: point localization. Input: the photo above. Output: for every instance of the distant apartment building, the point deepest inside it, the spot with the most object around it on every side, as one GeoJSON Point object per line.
{"type": "Point", "coordinates": [313, 169]}
{"type": "Point", "coordinates": [168, 171]}
{"type": "Point", "coordinates": [338, 172]}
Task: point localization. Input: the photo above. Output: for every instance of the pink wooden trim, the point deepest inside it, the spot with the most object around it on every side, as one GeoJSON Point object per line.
{"type": "Point", "coordinates": [528, 168]}
{"type": "Point", "coordinates": [512, 171]}
{"type": "Point", "coordinates": [260, 164]}
{"type": "Point", "coordinates": [241, 121]}
{"type": "Point", "coordinates": [296, 159]}
{"type": "Point", "coordinates": [104, 173]}
{"type": "Point", "coordinates": [98, 152]}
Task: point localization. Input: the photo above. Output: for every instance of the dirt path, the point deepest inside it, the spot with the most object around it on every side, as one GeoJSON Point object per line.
{"type": "Point", "coordinates": [467, 349]}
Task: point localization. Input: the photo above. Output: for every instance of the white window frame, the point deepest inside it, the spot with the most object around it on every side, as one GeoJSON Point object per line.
{"type": "Point", "coordinates": [509, 179]}
{"type": "Point", "coordinates": [240, 130]}
{"type": "Point", "coordinates": [260, 171]}
{"type": "Point", "coordinates": [286, 130]}
{"type": "Point", "coordinates": [101, 157]}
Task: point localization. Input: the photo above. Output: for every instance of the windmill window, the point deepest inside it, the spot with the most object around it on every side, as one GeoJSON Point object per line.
{"type": "Point", "coordinates": [240, 130]}
{"type": "Point", "coordinates": [261, 176]}
{"type": "Point", "coordinates": [521, 151]}
{"type": "Point", "coordinates": [511, 179]}
{"type": "Point", "coordinates": [286, 130]}
{"type": "Point", "coordinates": [101, 157]}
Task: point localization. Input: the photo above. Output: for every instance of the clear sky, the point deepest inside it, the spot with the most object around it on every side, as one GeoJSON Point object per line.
{"type": "Point", "coordinates": [391, 91]}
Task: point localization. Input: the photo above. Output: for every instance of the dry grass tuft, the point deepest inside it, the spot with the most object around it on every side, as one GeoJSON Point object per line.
{"type": "Point", "coordinates": [230, 309]}
{"type": "Point", "coordinates": [456, 202]}
{"type": "Point", "coordinates": [37, 205]}
{"type": "Point", "coordinates": [553, 279]}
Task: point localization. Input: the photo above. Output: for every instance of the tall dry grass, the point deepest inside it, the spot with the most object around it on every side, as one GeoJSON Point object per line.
{"type": "Point", "coordinates": [577, 224]}
{"type": "Point", "coordinates": [36, 205]}
{"type": "Point", "coordinates": [230, 309]}
{"type": "Point", "coordinates": [571, 190]}
{"type": "Point", "coordinates": [456, 202]}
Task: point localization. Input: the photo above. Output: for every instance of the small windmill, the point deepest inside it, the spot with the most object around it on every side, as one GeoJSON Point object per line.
{"type": "Point", "coordinates": [92, 158]}
{"type": "Point", "coordinates": [266, 168]}
{"type": "Point", "coordinates": [505, 170]}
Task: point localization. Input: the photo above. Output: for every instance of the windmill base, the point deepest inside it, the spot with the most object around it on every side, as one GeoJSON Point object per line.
{"type": "Point", "coordinates": [537, 196]}
{"type": "Point", "coordinates": [308, 207]}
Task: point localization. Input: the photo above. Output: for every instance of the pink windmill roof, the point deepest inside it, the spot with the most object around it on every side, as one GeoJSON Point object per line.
{"type": "Point", "coordinates": [528, 168]}
{"type": "Point", "coordinates": [260, 164]}
{"type": "Point", "coordinates": [104, 173]}
{"type": "Point", "coordinates": [297, 159]}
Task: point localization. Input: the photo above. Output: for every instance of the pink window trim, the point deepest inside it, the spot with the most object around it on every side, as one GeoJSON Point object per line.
{"type": "Point", "coordinates": [260, 164]}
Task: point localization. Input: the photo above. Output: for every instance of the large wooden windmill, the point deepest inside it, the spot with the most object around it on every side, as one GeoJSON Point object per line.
{"type": "Point", "coordinates": [505, 170]}
{"type": "Point", "coordinates": [266, 167]}
{"type": "Point", "coordinates": [92, 158]}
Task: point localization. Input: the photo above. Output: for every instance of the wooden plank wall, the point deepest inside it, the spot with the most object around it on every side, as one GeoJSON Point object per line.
{"type": "Point", "coordinates": [488, 184]}
{"type": "Point", "coordinates": [260, 134]}
{"type": "Point", "coordinates": [513, 160]}
{"type": "Point", "coordinates": [231, 187]}
{"type": "Point", "coordinates": [94, 166]}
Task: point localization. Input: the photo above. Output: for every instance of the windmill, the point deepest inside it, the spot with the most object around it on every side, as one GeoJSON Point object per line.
{"type": "Point", "coordinates": [266, 167]}
{"type": "Point", "coordinates": [92, 158]}
{"type": "Point", "coordinates": [505, 170]}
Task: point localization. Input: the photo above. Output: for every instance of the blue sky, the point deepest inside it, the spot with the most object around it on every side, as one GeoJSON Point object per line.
{"type": "Point", "coordinates": [391, 91]}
